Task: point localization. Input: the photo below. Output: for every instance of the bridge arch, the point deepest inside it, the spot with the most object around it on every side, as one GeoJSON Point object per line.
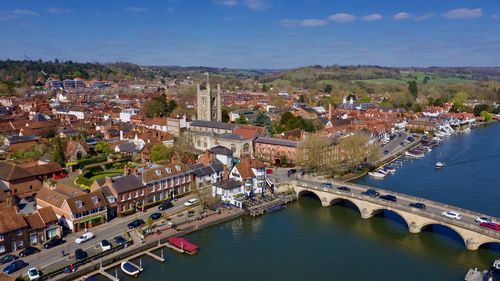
{"type": "Point", "coordinates": [453, 229]}
{"type": "Point", "coordinates": [309, 192]}
{"type": "Point", "coordinates": [494, 245]}
{"type": "Point", "coordinates": [338, 200]}
{"type": "Point", "coordinates": [393, 211]}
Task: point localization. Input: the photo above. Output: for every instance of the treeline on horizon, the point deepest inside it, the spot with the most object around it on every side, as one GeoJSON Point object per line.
{"type": "Point", "coordinates": [21, 73]}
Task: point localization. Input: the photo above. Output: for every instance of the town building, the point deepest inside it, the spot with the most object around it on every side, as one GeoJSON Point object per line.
{"type": "Point", "coordinates": [13, 231]}
{"type": "Point", "coordinates": [208, 106]}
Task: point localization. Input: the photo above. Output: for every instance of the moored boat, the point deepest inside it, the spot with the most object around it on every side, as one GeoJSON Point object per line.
{"type": "Point", "coordinates": [376, 174]}
{"type": "Point", "coordinates": [496, 264]}
{"type": "Point", "coordinates": [183, 245]}
{"type": "Point", "coordinates": [414, 154]}
{"type": "Point", "coordinates": [440, 164]}
{"type": "Point", "coordinates": [130, 268]}
{"type": "Point", "coordinates": [275, 208]}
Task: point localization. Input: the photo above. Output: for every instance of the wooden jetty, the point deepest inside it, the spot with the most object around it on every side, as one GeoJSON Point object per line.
{"type": "Point", "coordinates": [260, 207]}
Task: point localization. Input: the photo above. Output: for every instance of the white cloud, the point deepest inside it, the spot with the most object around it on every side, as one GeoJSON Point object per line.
{"type": "Point", "coordinates": [257, 4]}
{"type": "Point", "coordinates": [17, 14]}
{"type": "Point", "coordinates": [304, 23]}
{"type": "Point", "coordinates": [135, 9]}
{"type": "Point", "coordinates": [229, 3]}
{"type": "Point", "coordinates": [402, 16]}
{"type": "Point", "coordinates": [59, 11]}
{"type": "Point", "coordinates": [342, 17]}
{"type": "Point", "coordinates": [313, 22]}
{"type": "Point", "coordinates": [373, 17]}
{"type": "Point", "coordinates": [463, 13]}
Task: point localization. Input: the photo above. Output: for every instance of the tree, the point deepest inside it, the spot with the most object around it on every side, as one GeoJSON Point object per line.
{"type": "Point", "coordinates": [286, 117]}
{"type": "Point", "coordinates": [158, 106]}
{"type": "Point", "coordinates": [102, 147]}
{"type": "Point", "coordinates": [264, 88]}
{"type": "Point", "coordinates": [365, 99]}
{"type": "Point", "coordinates": [482, 107]}
{"type": "Point", "coordinates": [317, 155]}
{"type": "Point", "coordinates": [486, 115]}
{"type": "Point", "coordinates": [57, 151]}
{"type": "Point", "coordinates": [171, 106]}
{"type": "Point", "coordinates": [328, 88]}
{"type": "Point", "coordinates": [263, 120]}
{"type": "Point", "coordinates": [458, 101]}
{"type": "Point", "coordinates": [241, 120]}
{"type": "Point", "coordinates": [413, 88]}
{"type": "Point", "coordinates": [356, 149]}
{"type": "Point", "coordinates": [225, 115]}
{"type": "Point", "coordinates": [160, 152]}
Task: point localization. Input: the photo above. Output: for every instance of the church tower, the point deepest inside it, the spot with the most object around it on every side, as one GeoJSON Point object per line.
{"type": "Point", "coordinates": [208, 106]}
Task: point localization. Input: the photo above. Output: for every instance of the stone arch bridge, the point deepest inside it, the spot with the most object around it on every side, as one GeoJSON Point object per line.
{"type": "Point", "coordinates": [472, 234]}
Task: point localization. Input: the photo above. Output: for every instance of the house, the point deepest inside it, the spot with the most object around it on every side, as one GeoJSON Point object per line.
{"type": "Point", "coordinates": [252, 172]}
{"type": "Point", "coordinates": [239, 145]}
{"type": "Point", "coordinates": [18, 182]}
{"type": "Point", "coordinates": [230, 190]}
{"type": "Point", "coordinates": [75, 209]}
{"type": "Point", "coordinates": [43, 171]}
{"type": "Point", "coordinates": [18, 143]}
{"type": "Point", "coordinates": [224, 155]}
{"type": "Point", "coordinates": [126, 114]}
{"type": "Point", "coordinates": [13, 231]}
{"type": "Point", "coordinates": [75, 150]}
{"type": "Point", "coordinates": [43, 225]}
{"type": "Point", "coordinates": [206, 175]}
{"type": "Point", "coordinates": [128, 192]}
{"type": "Point", "coordinates": [128, 148]}
{"type": "Point", "coordinates": [275, 151]}
{"type": "Point", "coordinates": [166, 181]}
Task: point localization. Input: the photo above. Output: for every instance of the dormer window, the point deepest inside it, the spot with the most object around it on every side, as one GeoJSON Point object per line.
{"type": "Point", "coordinates": [95, 199]}
{"type": "Point", "coordinates": [169, 170]}
{"type": "Point", "coordinates": [178, 167]}
{"type": "Point", "coordinates": [158, 172]}
{"type": "Point", "coordinates": [79, 203]}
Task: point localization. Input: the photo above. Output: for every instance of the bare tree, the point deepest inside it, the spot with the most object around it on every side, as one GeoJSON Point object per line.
{"type": "Point", "coordinates": [356, 149]}
{"type": "Point", "coordinates": [319, 154]}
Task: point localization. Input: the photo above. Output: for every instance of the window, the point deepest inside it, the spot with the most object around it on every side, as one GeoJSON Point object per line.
{"type": "Point", "coordinates": [129, 196]}
{"type": "Point", "coordinates": [158, 172]}
{"type": "Point", "coordinates": [31, 187]}
{"type": "Point", "coordinates": [123, 197]}
{"type": "Point", "coordinates": [2, 237]}
{"type": "Point", "coordinates": [79, 203]}
{"type": "Point", "coordinates": [178, 167]}
{"type": "Point", "coordinates": [136, 194]}
{"type": "Point", "coordinates": [15, 190]}
{"type": "Point", "coordinates": [169, 170]}
{"type": "Point", "coordinates": [95, 199]}
{"type": "Point", "coordinates": [19, 232]}
{"type": "Point", "coordinates": [2, 248]}
{"type": "Point", "coordinates": [142, 192]}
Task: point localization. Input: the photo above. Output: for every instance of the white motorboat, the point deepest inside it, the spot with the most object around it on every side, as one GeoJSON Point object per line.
{"type": "Point", "coordinates": [389, 170]}
{"type": "Point", "coordinates": [440, 164]}
{"type": "Point", "coordinates": [130, 268]}
{"type": "Point", "coordinates": [418, 156]}
{"type": "Point", "coordinates": [376, 174]}
{"type": "Point", "coordinates": [496, 264]}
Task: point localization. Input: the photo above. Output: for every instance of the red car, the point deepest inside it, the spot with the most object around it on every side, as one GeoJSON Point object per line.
{"type": "Point", "coordinates": [490, 225]}
{"type": "Point", "coordinates": [60, 176]}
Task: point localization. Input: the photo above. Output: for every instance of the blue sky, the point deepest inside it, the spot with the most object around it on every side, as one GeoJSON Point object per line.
{"type": "Point", "coordinates": [254, 33]}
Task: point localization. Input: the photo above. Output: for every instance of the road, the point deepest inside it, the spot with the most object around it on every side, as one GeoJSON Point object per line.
{"type": "Point", "coordinates": [106, 231]}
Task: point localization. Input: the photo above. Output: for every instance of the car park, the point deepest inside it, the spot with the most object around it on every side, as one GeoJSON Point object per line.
{"type": "Point", "coordinates": [326, 185]}
{"type": "Point", "coordinates": [135, 223]}
{"type": "Point", "coordinates": [80, 254]}
{"type": "Point", "coordinates": [344, 188]}
{"type": "Point", "coordinates": [155, 216]}
{"type": "Point", "coordinates": [28, 251]}
{"type": "Point", "coordinates": [14, 266]}
{"type": "Point", "coordinates": [33, 274]}
{"type": "Point", "coordinates": [490, 225]}
{"type": "Point", "coordinates": [418, 205]}
{"type": "Point", "coordinates": [119, 240]}
{"type": "Point", "coordinates": [56, 241]}
{"type": "Point", "coordinates": [165, 205]}
{"type": "Point", "coordinates": [190, 202]}
{"type": "Point", "coordinates": [8, 258]}
{"type": "Point", "coordinates": [371, 192]}
{"type": "Point", "coordinates": [483, 220]}
{"type": "Point", "coordinates": [84, 237]}
{"type": "Point", "coordinates": [451, 215]}
{"type": "Point", "coordinates": [389, 197]}
{"type": "Point", "coordinates": [105, 245]}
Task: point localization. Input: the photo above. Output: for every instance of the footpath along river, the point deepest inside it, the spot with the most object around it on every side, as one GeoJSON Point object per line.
{"type": "Point", "coordinates": [309, 242]}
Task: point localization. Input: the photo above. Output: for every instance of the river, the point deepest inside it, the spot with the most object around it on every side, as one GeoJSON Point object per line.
{"type": "Point", "coordinates": [309, 242]}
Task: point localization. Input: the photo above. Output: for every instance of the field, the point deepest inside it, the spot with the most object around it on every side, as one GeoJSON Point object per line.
{"type": "Point", "coordinates": [420, 76]}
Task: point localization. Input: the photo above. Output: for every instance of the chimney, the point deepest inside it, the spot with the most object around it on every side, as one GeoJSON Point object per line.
{"type": "Point", "coordinates": [351, 101]}
{"type": "Point", "coordinates": [121, 135]}
{"type": "Point", "coordinates": [330, 112]}
{"type": "Point", "coordinates": [108, 181]}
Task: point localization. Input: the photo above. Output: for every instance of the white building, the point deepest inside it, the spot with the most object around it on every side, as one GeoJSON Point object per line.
{"type": "Point", "coordinates": [126, 114]}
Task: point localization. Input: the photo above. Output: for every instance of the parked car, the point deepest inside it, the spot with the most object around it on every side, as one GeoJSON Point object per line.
{"type": "Point", "coordinates": [292, 171]}
{"type": "Point", "coordinates": [165, 205]}
{"type": "Point", "coordinates": [155, 216]}
{"type": "Point", "coordinates": [389, 197]}
{"type": "Point", "coordinates": [371, 192]}
{"type": "Point", "coordinates": [344, 188]}
{"type": "Point", "coordinates": [84, 238]}
{"type": "Point", "coordinates": [326, 185]}
{"type": "Point", "coordinates": [8, 258]}
{"type": "Point", "coordinates": [386, 152]}
{"type": "Point", "coordinates": [483, 219]}
{"type": "Point", "coordinates": [490, 225]}
{"type": "Point", "coordinates": [135, 223]}
{"type": "Point", "coordinates": [191, 202]}
{"type": "Point", "coordinates": [452, 215]}
{"type": "Point", "coordinates": [56, 241]}
{"type": "Point", "coordinates": [80, 254]}
{"type": "Point", "coordinates": [14, 266]}
{"type": "Point", "coordinates": [105, 245]}
{"type": "Point", "coordinates": [418, 205]}
{"type": "Point", "coordinates": [33, 274]}
{"type": "Point", "coordinates": [119, 240]}
{"type": "Point", "coordinates": [269, 171]}
{"type": "Point", "coordinates": [28, 251]}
